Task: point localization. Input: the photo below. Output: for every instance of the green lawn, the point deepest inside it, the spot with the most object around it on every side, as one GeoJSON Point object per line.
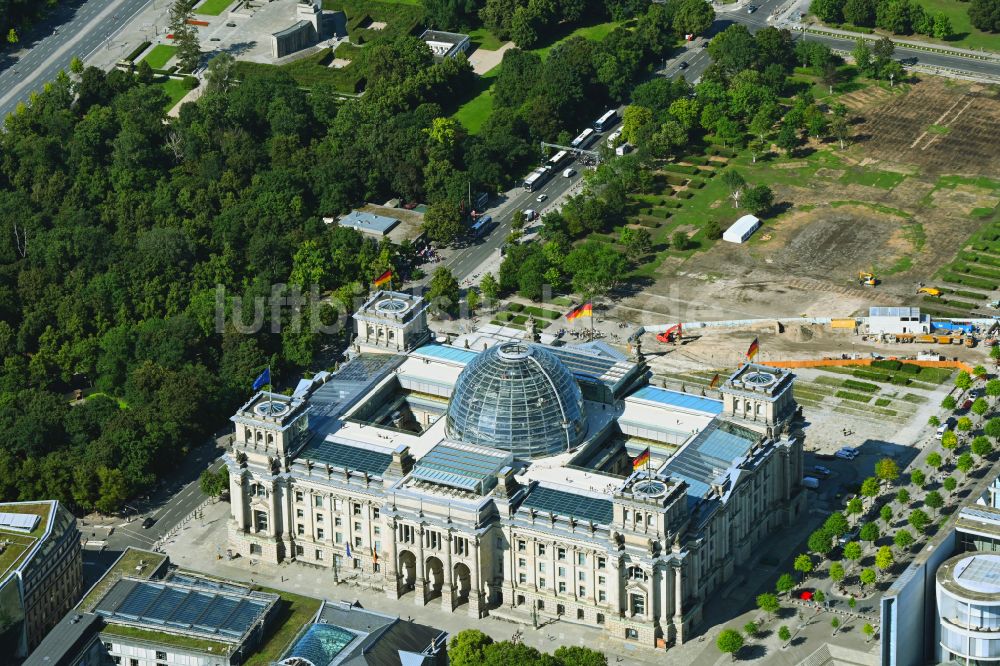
{"type": "Point", "coordinates": [175, 90]}
{"type": "Point", "coordinates": [965, 36]}
{"type": "Point", "coordinates": [213, 7]}
{"type": "Point", "coordinates": [484, 39]}
{"type": "Point", "coordinates": [592, 32]}
{"type": "Point", "coordinates": [123, 566]}
{"type": "Point", "coordinates": [473, 114]}
{"type": "Point", "coordinates": [873, 178]}
{"type": "Point", "coordinates": [160, 55]}
{"type": "Point", "coordinates": [293, 613]}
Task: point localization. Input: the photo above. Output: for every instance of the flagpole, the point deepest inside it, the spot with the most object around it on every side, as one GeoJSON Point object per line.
{"type": "Point", "coordinates": [270, 391]}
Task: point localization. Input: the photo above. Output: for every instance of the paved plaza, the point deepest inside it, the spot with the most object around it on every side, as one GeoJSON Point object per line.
{"type": "Point", "coordinates": [201, 545]}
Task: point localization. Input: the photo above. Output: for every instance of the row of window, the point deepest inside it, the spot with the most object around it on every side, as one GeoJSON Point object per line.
{"type": "Point", "coordinates": [338, 504]}
{"type": "Point", "coordinates": [541, 550]}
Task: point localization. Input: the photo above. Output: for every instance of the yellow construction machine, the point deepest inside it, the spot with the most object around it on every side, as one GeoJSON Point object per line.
{"type": "Point", "coordinates": [867, 279]}
{"type": "Point", "coordinates": [930, 291]}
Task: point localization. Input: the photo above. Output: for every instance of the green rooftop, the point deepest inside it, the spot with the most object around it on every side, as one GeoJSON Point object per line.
{"type": "Point", "coordinates": [19, 544]}
{"type": "Point", "coordinates": [165, 638]}
{"type": "Point", "coordinates": [294, 612]}
{"type": "Point", "coordinates": [134, 563]}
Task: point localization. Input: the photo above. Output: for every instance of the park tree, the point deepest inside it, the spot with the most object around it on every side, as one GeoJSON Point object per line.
{"type": "Point", "coordinates": [963, 380]}
{"type": "Point", "coordinates": [852, 552]}
{"type": "Point", "coordinates": [917, 478]}
{"type": "Point", "coordinates": [785, 584]}
{"type": "Point", "coordinates": [444, 293]}
{"type": "Point", "coordinates": [636, 241]}
{"type": "Point", "coordinates": [220, 75]}
{"type": "Point", "coordinates": [596, 268]}
{"type": "Point", "coordinates": [788, 138]}
{"type": "Point", "coordinates": [903, 540]}
{"type": "Point", "coordinates": [214, 484]}
{"type": "Point", "coordinates": [820, 541]}
{"type": "Point", "coordinates": [836, 524]}
{"type": "Point", "coordinates": [472, 300]}
{"type": "Point", "coordinates": [784, 635]}
{"type": "Point", "coordinates": [837, 572]}
{"type": "Point", "coordinates": [885, 513]}
{"type": "Point", "coordinates": [12, 37]}
{"type": "Point", "coordinates": [185, 35]}
{"type": "Point", "coordinates": [993, 385]}
{"type": "Point", "coordinates": [729, 642]}
{"type": "Point", "coordinates": [949, 440]}
{"type": "Point", "coordinates": [949, 483]}
{"type": "Point", "coordinates": [979, 371]}
{"type": "Point", "coordinates": [860, 12]}
{"type": "Point", "coordinates": [490, 288]}
{"type": "Point", "coordinates": [828, 11]}
{"type": "Point", "coordinates": [949, 402]}
{"type": "Point", "coordinates": [733, 50]}
{"type": "Point", "coordinates": [887, 470]}
{"type": "Point", "coordinates": [918, 520]}
{"type": "Point", "coordinates": [862, 55]}
{"type": "Point", "coordinates": [933, 421]}
{"type": "Point", "coordinates": [679, 240]}
{"type": "Point", "coordinates": [576, 655]}
{"type": "Point", "coordinates": [692, 17]}
{"type": "Point", "coordinates": [634, 119]}
{"type": "Point", "coordinates": [869, 532]}
{"type": "Point", "coordinates": [934, 460]}
{"type": "Point", "coordinates": [981, 446]}
{"type": "Point", "coordinates": [758, 199]}
{"type": "Point", "coordinates": [870, 487]}
{"type": "Point", "coordinates": [992, 428]}
{"type": "Point", "coordinates": [854, 507]}
{"type": "Point", "coordinates": [903, 497]}
{"type": "Point", "coordinates": [768, 603]}
{"type": "Point", "coordinates": [803, 564]}
{"type": "Point", "coordinates": [934, 500]}
{"type": "Point", "coordinates": [750, 629]}
{"type": "Point", "coordinates": [964, 463]}
{"type": "Point", "coordinates": [735, 183]}
{"type": "Point", "coordinates": [867, 577]}
{"type": "Point", "coordinates": [964, 424]}
{"type": "Point", "coordinates": [884, 559]}
{"type": "Point", "coordinates": [443, 223]}
{"type": "Point", "coordinates": [985, 15]}
{"type": "Point", "coordinates": [869, 631]}
{"type": "Point", "coordinates": [835, 622]}
{"type": "Point", "coordinates": [466, 648]}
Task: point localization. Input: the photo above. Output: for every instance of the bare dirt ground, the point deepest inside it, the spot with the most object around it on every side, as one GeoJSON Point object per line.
{"type": "Point", "coordinates": [939, 126]}
{"type": "Point", "coordinates": [878, 205]}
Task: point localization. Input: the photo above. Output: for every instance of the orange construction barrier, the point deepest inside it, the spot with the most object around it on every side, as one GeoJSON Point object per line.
{"type": "Point", "coordinates": [844, 362]}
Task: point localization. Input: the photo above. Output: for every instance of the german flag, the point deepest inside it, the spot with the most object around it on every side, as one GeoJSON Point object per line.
{"type": "Point", "coordinates": [383, 279]}
{"type": "Point", "coordinates": [641, 459]}
{"type": "Point", "coordinates": [715, 381]}
{"type": "Point", "coordinates": [585, 310]}
{"type": "Point", "coordinates": [753, 349]}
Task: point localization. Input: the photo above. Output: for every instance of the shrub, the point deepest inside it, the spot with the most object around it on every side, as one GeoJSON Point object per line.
{"type": "Point", "coordinates": [190, 82]}
{"type": "Point", "coordinates": [861, 386]}
{"type": "Point", "coordinates": [138, 51]}
{"type": "Point", "coordinates": [910, 368]}
{"type": "Point", "coordinates": [887, 364]}
{"type": "Point", "coordinates": [685, 194]}
{"type": "Point", "coordinates": [857, 397]}
{"type": "Point", "coordinates": [515, 307]}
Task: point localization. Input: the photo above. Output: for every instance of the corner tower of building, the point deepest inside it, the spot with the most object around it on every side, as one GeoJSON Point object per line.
{"type": "Point", "coordinates": [391, 322]}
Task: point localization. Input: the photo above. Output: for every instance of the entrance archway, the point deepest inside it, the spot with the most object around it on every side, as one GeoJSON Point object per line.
{"type": "Point", "coordinates": [463, 583]}
{"type": "Point", "coordinates": [408, 570]}
{"type": "Point", "coordinates": [435, 577]}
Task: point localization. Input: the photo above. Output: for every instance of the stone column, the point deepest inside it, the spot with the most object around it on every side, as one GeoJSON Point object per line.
{"type": "Point", "coordinates": [447, 584]}
{"type": "Point", "coordinates": [420, 584]}
{"type": "Point", "coordinates": [615, 576]}
{"type": "Point", "coordinates": [238, 505]}
{"type": "Point", "coordinates": [475, 587]}
{"type": "Point", "coordinates": [392, 576]}
{"type": "Point", "coordinates": [678, 610]}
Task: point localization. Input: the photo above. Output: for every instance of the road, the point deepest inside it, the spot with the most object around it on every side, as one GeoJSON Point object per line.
{"type": "Point", "coordinates": [52, 45]}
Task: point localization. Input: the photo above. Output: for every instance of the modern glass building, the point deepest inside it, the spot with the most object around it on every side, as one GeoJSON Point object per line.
{"type": "Point", "coordinates": [968, 599]}
{"type": "Point", "coordinates": [518, 397]}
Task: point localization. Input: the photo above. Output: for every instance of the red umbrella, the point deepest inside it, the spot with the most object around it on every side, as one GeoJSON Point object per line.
{"type": "Point", "coordinates": [806, 596]}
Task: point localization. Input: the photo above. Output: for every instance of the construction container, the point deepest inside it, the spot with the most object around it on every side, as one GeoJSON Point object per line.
{"type": "Point", "coordinates": [843, 323]}
{"type": "Point", "coordinates": [929, 339]}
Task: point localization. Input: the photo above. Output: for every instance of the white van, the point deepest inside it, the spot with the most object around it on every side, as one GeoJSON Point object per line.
{"type": "Point", "coordinates": [569, 173]}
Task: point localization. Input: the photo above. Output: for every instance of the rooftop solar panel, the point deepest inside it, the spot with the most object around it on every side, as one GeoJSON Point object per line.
{"type": "Point", "coordinates": [564, 503]}
{"type": "Point", "coordinates": [348, 457]}
{"type": "Point", "coordinates": [167, 602]}
{"type": "Point", "coordinates": [678, 399]}
{"type": "Point", "coordinates": [19, 522]}
{"type": "Point", "coordinates": [217, 613]}
{"type": "Point", "coordinates": [192, 609]}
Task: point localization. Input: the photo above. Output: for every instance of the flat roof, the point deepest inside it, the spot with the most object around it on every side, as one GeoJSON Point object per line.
{"type": "Point", "coordinates": [677, 399]}
{"type": "Point", "coordinates": [881, 311]}
{"type": "Point", "coordinates": [368, 223]}
{"type": "Point", "coordinates": [446, 353]}
{"type": "Point", "coordinates": [565, 503]}
{"type": "Point", "coordinates": [980, 573]}
{"type": "Point", "coordinates": [22, 544]}
{"type": "Point", "coordinates": [62, 645]}
{"type": "Point", "coordinates": [19, 522]}
{"type": "Point", "coordinates": [215, 612]}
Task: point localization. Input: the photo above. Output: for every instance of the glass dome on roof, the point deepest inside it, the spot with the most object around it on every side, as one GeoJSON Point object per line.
{"type": "Point", "coordinates": [519, 398]}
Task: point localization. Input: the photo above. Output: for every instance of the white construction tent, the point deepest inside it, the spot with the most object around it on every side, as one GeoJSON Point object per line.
{"type": "Point", "coordinates": [742, 229]}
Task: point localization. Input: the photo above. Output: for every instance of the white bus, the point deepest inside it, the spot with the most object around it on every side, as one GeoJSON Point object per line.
{"type": "Point", "coordinates": [481, 226]}
{"type": "Point", "coordinates": [613, 137]}
{"type": "Point", "coordinates": [606, 121]}
{"type": "Point", "coordinates": [557, 160]}
{"type": "Point", "coordinates": [582, 141]}
{"type": "Point", "coordinates": [536, 178]}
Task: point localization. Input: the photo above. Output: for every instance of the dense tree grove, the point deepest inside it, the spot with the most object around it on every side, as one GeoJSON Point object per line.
{"type": "Point", "coordinates": [474, 648]}
{"type": "Point", "coordinates": [901, 17]}
{"type": "Point", "coordinates": [18, 15]}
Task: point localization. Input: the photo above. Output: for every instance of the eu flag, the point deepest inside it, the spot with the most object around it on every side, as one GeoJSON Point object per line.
{"type": "Point", "coordinates": [265, 378]}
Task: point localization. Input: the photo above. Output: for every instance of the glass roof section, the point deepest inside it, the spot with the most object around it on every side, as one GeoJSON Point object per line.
{"type": "Point", "coordinates": [563, 503]}
{"type": "Point", "coordinates": [446, 353]}
{"type": "Point", "coordinates": [320, 645]}
{"type": "Point", "coordinates": [980, 573]}
{"type": "Point", "coordinates": [519, 398]}
{"type": "Point", "coordinates": [677, 399]}
{"type": "Point", "coordinates": [349, 457]}
{"type": "Point", "coordinates": [710, 454]}
{"type": "Point", "coordinates": [461, 466]}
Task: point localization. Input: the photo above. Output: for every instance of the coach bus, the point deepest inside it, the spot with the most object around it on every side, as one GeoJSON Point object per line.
{"type": "Point", "coordinates": [536, 178]}
{"type": "Point", "coordinates": [582, 141]}
{"type": "Point", "coordinates": [606, 121]}
{"type": "Point", "coordinates": [481, 226]}
{"type": "Point", "coordinates": [557, 160]}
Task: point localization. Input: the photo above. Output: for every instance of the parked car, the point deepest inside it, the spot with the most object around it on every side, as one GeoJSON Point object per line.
{"type": "Point", "coordinates": [825, 456]}
{"type": "Point", "coordinates": [751, 9]}
{"type": "Point", "coordinates": [847, 453]}
{"type": "Point", "coordinates": [148, 522]}
{"type": "Point", "coordinates": [850, 536]}
{"type": "Point", "coordinates": [810, 482]}
{"type": "Point", "coordinates": [569, 173]}
{"type": "Point", "coordinates": [822, 471]}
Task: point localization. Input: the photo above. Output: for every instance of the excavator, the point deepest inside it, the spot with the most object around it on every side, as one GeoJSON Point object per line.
{"type": "Point", "coordinates": [867, 279]}
{"type": "Point", "coordinates": [930, 291]}
{"type": "Point", "coordinates": [672, 334]}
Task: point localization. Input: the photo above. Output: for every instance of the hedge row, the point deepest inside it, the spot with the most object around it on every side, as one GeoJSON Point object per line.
{"type": "Point", "coordinates": [138, 51]}
{"type": "Point", "coordinates": [684, 194]}
{"type": "Point", "coordinates": [861, 386]}
{"type": "Point", "coordinates": [857, 397]}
